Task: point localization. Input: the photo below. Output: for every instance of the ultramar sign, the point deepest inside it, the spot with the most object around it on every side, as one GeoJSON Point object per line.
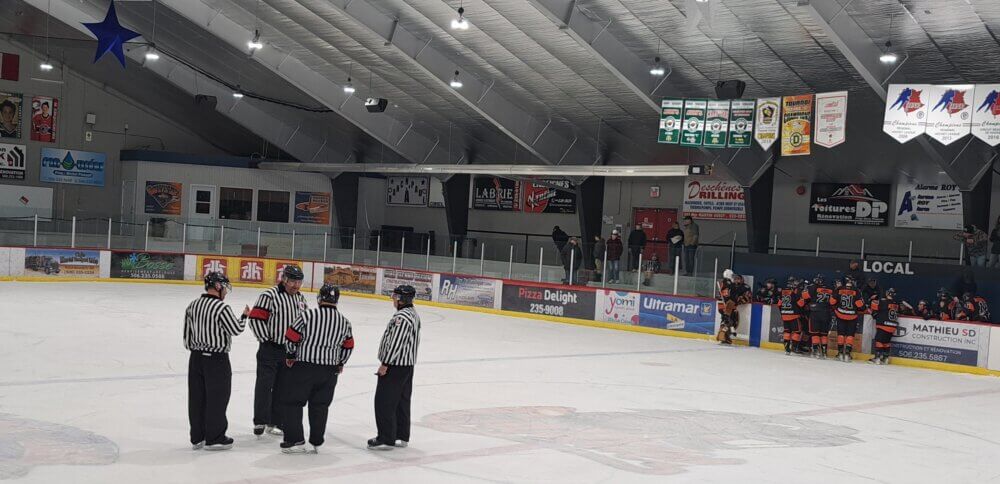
{"type": "Point", "coordinates": [888, 267]}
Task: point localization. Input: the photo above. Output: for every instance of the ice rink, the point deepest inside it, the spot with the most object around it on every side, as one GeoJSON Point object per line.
{"type": "Point", "coordinates": [94, 391]}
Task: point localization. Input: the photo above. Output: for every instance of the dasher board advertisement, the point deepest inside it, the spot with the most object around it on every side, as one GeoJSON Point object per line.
{"type": "Point", "coordinates": [549, 301]}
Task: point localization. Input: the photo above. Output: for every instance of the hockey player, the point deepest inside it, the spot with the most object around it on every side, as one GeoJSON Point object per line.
{"type": "Point", "coordinates": [965, 310]}
{"type": "Point", "coordinates": [319, 344]}
{"type": "Point", "coordinates": [804, 347]}
{"type": "Point", "coordinates": [871, 291]}
{"type": "Point", "coordinates": [788, 300]}
{"type": "Point", "coordinates": [945, 307]}
{"type": "Point", "coordinates": [398, 354]}
{"type": "Point", "coordinates": [768, 293]}
{"type": "Point", "coordinates": [923, 310]}
{"type": "Point", "coordinates": [982, 309]}
{"type": "Point", "coordinates": [732, 293]}
{"type": "Point", "coordinates": [886, 312]}
{"type": "Point", "coordinates": [819, 300]}
{"type": "Point", "coordinates": [850, 307]}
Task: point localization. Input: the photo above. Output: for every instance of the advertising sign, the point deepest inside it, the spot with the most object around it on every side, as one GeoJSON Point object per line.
{"type": "Point", "coordinates": [550, 301]}
{"type": "Point", "coordinates": [741, 121]}
{"type": "Point", "coordinates": [693, 128]}
{"type": "Point", "coordinates": [545, 199]}
{"type": "Point", "coordinates": [73, 167]}
{"type": "Point", "coordinates": [11, 115]}
{"type": "Point", "coordinates": [312, 208]}
{"type": "Point", "coordinates": [468, 291]}
{"type": "Point", "coordinates": [796, 124]}
{"type": "Point", "coordinates": [249, 270]}
{"type": "Point", "coordinates": [717, 124]}
{"type": "Point", "coordinates": [768, 121]}
{"type": "Point", "coordinates": [986, 117]}
{"type": "Point", "coordinates": [495, 193]}
{"type": "Point", "coordinates": [163, 198]}
{"type": "Point", "coordinates": [670, 121]}
{"type": "Point", "coordinates": [677, 313]}
{"type": "Point", "coordinates": [851, 204]}
{"type": "Point", "coordinates": [62, 263]}
{"type": "Point", "coordinates": [617, 306]}
{"type": "Point", "coordinates": [950, 117]}
{"type": "Point", "coordinates": [714, 200]}
{"type": "Point", "coordinates": [12, 164]}
{"type": "Point", "coordinates": [423, 282]}
{"type": "Point", "coordinates": [905, 111]}
{"type": "Point", "coordinates": [407, 191]}
{"type": "Point", "coordinates": [147, 265]}
{"type": "Point", "coordinates": [44, 116]}
{"type": "Point", "coordinates": [831, 119]}
{"type": "Point", "coordinates": [928, 206]}
{"type": "Point", "coordinates": [944, 342]}
{"type": "Point", "coordinates": [349, 278]}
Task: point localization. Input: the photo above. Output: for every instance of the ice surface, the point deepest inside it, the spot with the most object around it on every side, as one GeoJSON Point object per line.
{"type": "Point", "coordinates": [94, 390]}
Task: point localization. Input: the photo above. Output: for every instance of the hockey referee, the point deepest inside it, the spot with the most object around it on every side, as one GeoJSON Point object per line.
{"type": "Point", "coordinates": [209, 327]}
{"type": "Point", "coordinates": [319, 344]}
{"type": "Point", "coordinates": [398, 353]}
{"type": "Point", "coordinates": [275, 310]}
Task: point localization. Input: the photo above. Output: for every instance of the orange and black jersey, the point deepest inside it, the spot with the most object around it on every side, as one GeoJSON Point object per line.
{"type": "Point", "coordinates": [818, 299]}
{"type": "Point", "coordinates": [886, 312]}
{"type": "Point", "coordinates": [850, 303]}
{"type": "Point", "coordinates": [982, 309]}
{"type": "Point", "coordinates": [767, 296]}
{"type": "Point", "coordinates": [788, 300]}
{"type": "Point", "coordinates": [946, 309]}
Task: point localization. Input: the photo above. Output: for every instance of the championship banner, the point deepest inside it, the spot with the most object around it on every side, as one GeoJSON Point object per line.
{"type": "Point", "coordinates": [423, 282]}
{"type": "Point", "coordinates": [248, 270]}
{"type": "Point", "coordinates": [768, 121]}
{"type": "Point", "coordinates": [950, 117]}
{"type": "Point", "coordinates": [942, 341]}
{"type": "Point", "coordinates": [495, 193]}
{"type": "Point", "coordinates": [545, 199]}
{"type": "Point", "coordinates": [905, 111]}
{"type": "Point", "coordinates": [44, 116]}
{"type": "Point", "coordinates": [73, 167]}
{"type": "Point", "coordinates": [62, 263]}
{"type": "Point", "coordinates": [831, 119]}
{"type": "Point", "coordinates": [850, 204]}
{"type": "Point", "coordinates": [714, 200]}
{"type": "Point", "coordinates": [407, 191]}
{"type": "Point", "coordinates": [11, 115]}
{"type": "Point", "coordinates": [163, 198]}
{"type": "Point", "coordinates": [468, 291]}
{"type": "Point", "coordinates": [147, 265]}
{"type": "Point", "coordinates": [670, 121]}
{"type": "Point", "coordinates": [348, 278]}
{"type": "Point", "coordinates": [677, 313]}
{"type": "Point", "coordinates": [693, 128]}
{"type": "Point", "coordinates": [312, 208]}
{"type": "Point", "coordinates": [12, 166]}
{"type": "Point", "coordinates": [717, 124]}
{"type": "Point", "coordinates": [928, 206]}
{"type": "Point", "coordinates": [796, 124]}
{"type": "Point", "coordinates": [986, 117]}
{"type": "Point", "coordinates": [569, 303]}
{"type": "Point", "coordinates": [741, 118]}
{"type": "Point", "coordinates": [617, 306]}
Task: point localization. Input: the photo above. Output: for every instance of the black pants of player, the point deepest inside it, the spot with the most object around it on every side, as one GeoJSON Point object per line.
{"type": "Point", "coordinates": [883, 338]}
{"type": "Point", "coordinates": [210, 380]}
{"type": "Point", "coordinates": [819, 327]}
{"type": "Point", "coordinates": [306, 383]}
{"type": "Point", "coordinates": [392, 404]}
{"type": "Point", "coordinates": [846, 328]}
{"type": "Point", "coordinates": [270, 366]}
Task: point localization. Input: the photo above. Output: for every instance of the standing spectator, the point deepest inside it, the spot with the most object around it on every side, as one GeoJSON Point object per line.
{"type": "Point", "coordinates": [691, 233]}
{"type": "Point", "coordinates": [871, 292]}
{"type": "Point", "coordinates": [615, 250]}
{"type": "Point", "coordinates": [636, 242]}
{"type": "Point", "coordinates": [975, 245]}
{"type": "Point", "coordinates": [572, 258]}
{"type": "Point", "coordinates": [559, 238]}
{"type": "Point", "coordinates": [675, 246]}
{"type": "Point", "coordinates": [598, 255]}
{"type": "Point", "coordinates": [854, 272]}
{"type": "Point", "coordinates": [995, 249]}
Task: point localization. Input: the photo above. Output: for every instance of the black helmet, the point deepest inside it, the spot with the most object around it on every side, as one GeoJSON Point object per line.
{"type": "Point", "coordinates": [967, 297]}
{"type": "Point", "coordinates": [890, 293]}
{"type": "Point", "coordinates": [819, 280]}
{"type": "Point", "coordinates": [791, 282]}
{"type": "Point", "coordinates": [405, 293]}
{"type": "Point", "coordinates": [292, 272]}
{"type": "Point", "coordinates": [329, 294]}
{"type": "Point", "coordinates": [838, 283]}
{"type": "Point", "coordinates": [214, 278]}
{"type": "Point", "coordinates": [771, 281]}
{"type": "Point", "coordinates": [849, 282]}
{"type": "Point", "coordinates": [943, 293]}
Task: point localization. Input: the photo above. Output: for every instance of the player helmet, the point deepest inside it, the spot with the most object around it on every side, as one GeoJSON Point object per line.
{"type": "Point", "coordinates": [921, 303]}
{"type": "Point", "coordinates": [328, 294]}
{"type": "Point", "coordinates": [967, 297]}
{"type": "Point", "coordinates": [849, 282]}
{"type": "Point", "coordinates": [838, 283]}
{"type": "Point", "coordinates": [728, 274]}
{"type": "Point", "coordinates": [819, 280]}
{"type": "Point", "coordinates": [890, 293]}
{"type": "Point", "coordinates": [292, 272]}
{"type": "Point", "coordinates": [213, 279]}
{"type": "Point", "coordinates": [405, 293]}
{"type": "Point", "coordinates": [791, 282]}
{"type": "Point", "coordinates": [943, 294]}
{"type": "Point", "coordinates": [771, 281]}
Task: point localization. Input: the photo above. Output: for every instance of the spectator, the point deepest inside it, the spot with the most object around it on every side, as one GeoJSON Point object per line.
{"type": "Point", "coordinates": [636, 242]}
{"type": "Point", "coordinates": [675, 246]}
{"type": "Point", "coordinates": [691, 233]}
{"type": "Point", "coordinates": [871, 291]}
{"type": "Point", "coordinates": [854, 272]}
{"type": "Point", "coordinates": [975, 245]}
{"type": "Point", "coordinates": [572, 258]}
{"type": "Point", "coordinates": [995, 249]}
{"type": "Point", "coordinates": [650, 268]}
{"type": "Point", "coordinates": [615, 249]}
{"type": "Point", "coordinates": [598, 255]}
{"type": "Point", "coordinates": [559, 238]}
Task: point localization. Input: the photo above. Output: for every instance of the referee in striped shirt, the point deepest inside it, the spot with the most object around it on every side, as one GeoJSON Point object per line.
{"type": "Point", "coordinates": [275, 310]}
{"type": "Point", "coordinates": [209, 327]}
{"type": "Point", "coordinates": [319, 344]}
{"type": "Point", "coordinates": [398, 353]}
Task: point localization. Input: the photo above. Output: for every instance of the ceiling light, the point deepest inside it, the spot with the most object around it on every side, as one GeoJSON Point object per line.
{"type": "Point", "coordinates": [151, 54]}
{"type": "Point", "coordinates": [630, 170]}
{"type": "Point", "coordinates": [349, 88]}
{"type": "Point", "coordinates": [238, 93]}
{"type": "Point", "coordinates": [45, 66]}
{"type": "Point", "coordinates": [657, 69]}
{"type": "Point", "coordinates": [888, 58]}
{"type": "Point", "coordinates": [701, 1]}
{"type": "Point", "coordinates": [455, 82]}
{"type": "Point", "coordinates": [428, 168]}
{"type": "Point", "coordinates": [255, 43]}
{"type": "Point", "coordinates": [460, 23]}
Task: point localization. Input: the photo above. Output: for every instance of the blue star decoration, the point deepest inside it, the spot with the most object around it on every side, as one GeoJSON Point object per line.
{"type": "Point", "coordinates": [110, 36]}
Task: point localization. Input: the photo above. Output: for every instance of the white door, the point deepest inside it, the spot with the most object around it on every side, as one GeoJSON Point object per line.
{"type": "Point", "coordinates": [202, 206]}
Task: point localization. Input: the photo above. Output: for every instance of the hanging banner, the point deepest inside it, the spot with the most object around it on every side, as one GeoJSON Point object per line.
{"type": "Point", "coordinates": [986, 117]}
{"type": "Point", "coordinates": [312, 208]}
{"type": "Point", "coordinates": [545, 199]}
{"type": "Point", "coordinates": [73, 167]}
{"type": "Point", "coordinates": [717, 124]}
{"type": "Point", "coordinates": [693, 130]}
{"type": "Point", "coordinates": [796, 125]}
{"type": "Point", "coordinates": [714, 200]}
{"type": "Point", "coordinates": [10, 115]}
{"type": "Point", "coordinates": [950, 117]}
{"type": "Point", "coordinates": [163, 198]}
{"type": "Point", "coordinates": [928, 206]}
{"type": "Point", "coordinates": [831, 119]}
{"type": "Point", "coordinates": [905, 111]}
{"type": "Point", "coordinates": [741, 115]}
{"type": "Point", "coordinates": [670, 121]}
{"type": "Point", "coordinates": [849, 204]}
{"type": "Point", "coordinates": [44, 113]}
{"type": "Point", "coordinates": [767, 122]}
{"type": "Point", "coordinates": [406, 191]}
{"type": "Point", "coordinates": [495, 193]}
{"type": "Point", "coordinates": [12, 161]}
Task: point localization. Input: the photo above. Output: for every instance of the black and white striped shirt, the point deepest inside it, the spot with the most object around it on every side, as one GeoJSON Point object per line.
{"type": "Point", "coordinates": [274, 311]}
{"type": "Point", "coordinates": [401, 338]}
{"type": "Point", "coordinates": [210, 324]}
{"type": "Point", "coordinates": [321, 336]}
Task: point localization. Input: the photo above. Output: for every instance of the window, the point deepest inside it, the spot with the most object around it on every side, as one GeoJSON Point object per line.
{"type": "Point", "coordinates": [203, 202]}
{"type": "Point", "coordinates": [272, 206]}
{"type": "Point", "coordinates": [235, 203]}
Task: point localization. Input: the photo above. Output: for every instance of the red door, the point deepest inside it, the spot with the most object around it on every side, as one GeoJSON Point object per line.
{"type": "Point", "coordinates": [656, 222]}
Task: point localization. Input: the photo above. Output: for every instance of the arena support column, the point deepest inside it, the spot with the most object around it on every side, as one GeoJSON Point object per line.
{"type": "Point", "coordinates": [758, 197]}
{"type": "Point", "coordinates": [345, 204]}
{"type": "Point", "coordinates": [590, 208]}
{"type": "Point", "coordinates": [456, 208]}
{"type": "Point", "coordinates": [976, 203]}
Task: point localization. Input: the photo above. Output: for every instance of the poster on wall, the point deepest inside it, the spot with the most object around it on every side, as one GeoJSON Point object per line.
{"type": "Point", "coordinates": [549, 301]}
{"type": "Point", "coordinates": [677, 313]}
{"type": "Point", "coordinates": [436, 198]}
{"type": "Point", "coordinates": [10, 66]}
{"type": "Point", "coordinates": [950, 115]}
{"type": "Point", "coordinates": [163, 198]}
{"type": "Point", "coordinates": [831, 119]}
{"type": "Point", "coordinates": [617, 306]}
{"type": "Point", "coordinates": [423, 282]}
{"type": "Point", "coordinates": [945, 342]}
{"type": "Point", "coordinates": [349, 278]}
{"type": "Point", "coordinates": [72, 167]}
{"type": "Point", "coordinates": [714, 200]}
{"type": "Point", "coordinates": [147, 265]}
{"type": "Point", "coordinates": [12, 161]}
{"type": "Point", "coordinates": [543, 198]}
{"type": "Point", "coordinates": [986, 116]}
{"type": "Point", "coordinates": [62, 263]}
{"type": "Point", "coordinates": [796, 124]}
{"type": "Point", "coordinates": [768, 121]}
{"type": "Point", "coordinates": [26, 201]}
{"type": "Point", "coordinates": [670, 121]}
{"type": "Point", "coordinates": [741, 121]}
{"type": "Point", "coordinates": [849, 204]}
{"type": "Point", "coordinates": [495, 193]}
{"type": "Point", "coordinates": [11, 115]}
{"type": "Point", "coordinates": [312, 208]}
{"type": "Point", "coordinates": [44, 115]}
{"type": "Point", "coordinates": [905, 111]}
{"type": "Point", "coordinates": [693, 127]}
{"type": "Point", "coordinates": [468, 291]}
{"type": "Point", "coordinates": [717, 124]}
{"type": "Point", "coordinates": [928, 206]}
{"type": "Point", "coordinates": [407, 191]}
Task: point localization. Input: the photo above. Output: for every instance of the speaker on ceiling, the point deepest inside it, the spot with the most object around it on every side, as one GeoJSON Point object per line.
{"type": "Point", "coordinates": [731, 89]}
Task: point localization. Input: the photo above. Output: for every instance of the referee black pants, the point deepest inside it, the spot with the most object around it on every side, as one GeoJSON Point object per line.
{"type": "Point", "coordinates": [210, 379]}
{"type": "Point", "coordinates": [392, 404]}
{"type": "Point", "coordinates": [306, 383]}
{"type": "Point", "coordinates": [270, 369]}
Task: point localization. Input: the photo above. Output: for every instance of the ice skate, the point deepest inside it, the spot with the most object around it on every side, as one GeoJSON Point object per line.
{"type": "Point", "coordinates": [293, 447]}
